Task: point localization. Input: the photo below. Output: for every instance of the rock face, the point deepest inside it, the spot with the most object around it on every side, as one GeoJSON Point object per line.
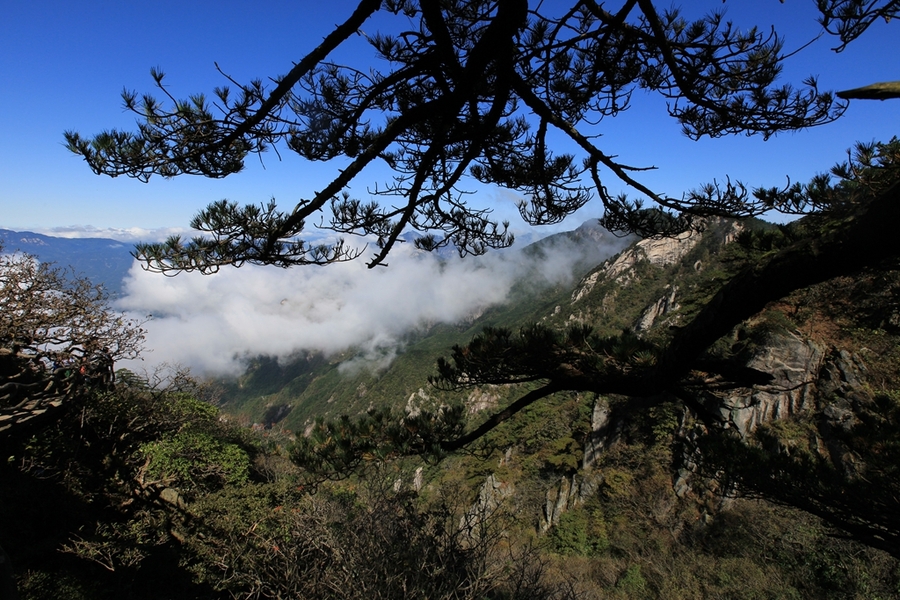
{"type": "Point", "coordinates": [807, 379]}
{"type": "Point", "coordinates": [659, 253]}
{"type": "Point", "coordinates": [569, 493]}
{"type": "Point", "coordinates": [794, 362]}
{"type": "Point", "coordinates": [559, 499]}
{"type": "Point", "coordinates": [658, 309]}
{"type": "Point", "coordinates": [601, 435]}
{"type": "Point", "coordinates": [803, 372]}
{"type": "Point", "coordinates": [842, 377]}
{"type": "Point", "coordinates": [587, 284]}
{"type": "Point", "coordinates": [492, 494]}
{"type": "Point", "coordinates": [415, 402]}
{"type": "Point", "coordinates": [481, 398]}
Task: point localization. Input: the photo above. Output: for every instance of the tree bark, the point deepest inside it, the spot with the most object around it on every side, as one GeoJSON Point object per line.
{"type": "Point", "coordinates": [877, 91]}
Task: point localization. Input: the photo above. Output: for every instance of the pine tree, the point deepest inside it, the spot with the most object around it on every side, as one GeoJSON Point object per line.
{"type": "Point", "coordinates": [475, 90]}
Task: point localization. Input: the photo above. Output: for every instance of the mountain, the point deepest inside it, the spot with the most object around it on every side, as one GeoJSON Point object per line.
{"type": "Point", "coordinates": [590, 471]}
{"type": "Point", "coordinates": [783, 487]}
{"type": "Point", "coordinates": [103, 261]}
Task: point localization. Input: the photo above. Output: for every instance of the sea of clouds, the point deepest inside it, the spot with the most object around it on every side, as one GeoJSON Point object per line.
{"type": "Point", "coordinates": [213, 323]}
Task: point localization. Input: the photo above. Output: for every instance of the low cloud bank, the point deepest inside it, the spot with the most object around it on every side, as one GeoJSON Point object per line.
{"type": "Point", "coordinates": [130, 234]}
{"type": "Point", "coordinates": [213, 323]}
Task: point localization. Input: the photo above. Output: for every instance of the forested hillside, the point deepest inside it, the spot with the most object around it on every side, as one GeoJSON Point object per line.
{"type": "Point", "coordinates": [293, 392]}
{"type": "Point", "coordinates": [640, 496]}
{"type": "Point", "coordinates": [771, 474]}
{"type": "Point", "coordinates": [103, 261]}
{"type": "Point", "coordinates": [714, 412]}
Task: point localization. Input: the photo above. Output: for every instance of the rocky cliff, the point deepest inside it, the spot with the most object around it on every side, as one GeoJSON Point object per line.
{"type": "Point", "coordinates": [822, 373]}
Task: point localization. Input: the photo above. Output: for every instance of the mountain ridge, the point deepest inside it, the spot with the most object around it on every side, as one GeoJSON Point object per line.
{"type": "Point", "coordinates": [104, 261]}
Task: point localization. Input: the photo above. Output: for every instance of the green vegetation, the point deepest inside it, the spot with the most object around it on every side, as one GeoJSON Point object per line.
{"type": "Point", "coordinates": [587, 452]}
{"type": "Point", "coordinates": [145, 491]}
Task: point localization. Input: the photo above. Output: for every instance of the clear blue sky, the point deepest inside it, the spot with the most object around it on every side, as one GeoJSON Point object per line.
{"type": "Point", "coordinates": [64, 64]}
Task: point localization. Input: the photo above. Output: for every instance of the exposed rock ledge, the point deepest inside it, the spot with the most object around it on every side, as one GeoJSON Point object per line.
{"type": "Point", "coordinates": [658, 252]}
{"type": "Point", "coordinates": [794, 362]}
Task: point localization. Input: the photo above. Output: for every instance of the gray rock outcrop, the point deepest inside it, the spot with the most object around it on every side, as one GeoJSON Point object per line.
{"type": "Point", "coordinates": [491, 496]}
{"type": "Point", "coordinates": [794, 362]}
{"type": "Point", "coordinates": [660, 308]}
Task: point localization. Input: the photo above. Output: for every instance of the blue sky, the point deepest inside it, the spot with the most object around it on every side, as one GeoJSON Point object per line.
{"type": "Point", "coordinates": [64, 64]}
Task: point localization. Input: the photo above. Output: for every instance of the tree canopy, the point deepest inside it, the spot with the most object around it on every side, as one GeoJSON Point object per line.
{"type": "Point", "coordinates": [462, 91]}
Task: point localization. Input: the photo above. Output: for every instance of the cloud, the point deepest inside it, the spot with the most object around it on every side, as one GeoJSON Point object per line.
{"type": "Point", "coordinates": [212, 323]}
{"type": "Point", "coordinates": [129, 234]}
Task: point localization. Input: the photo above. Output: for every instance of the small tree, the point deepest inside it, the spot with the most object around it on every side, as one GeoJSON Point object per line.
{"type": "Point", "coordinates": [57, 335]}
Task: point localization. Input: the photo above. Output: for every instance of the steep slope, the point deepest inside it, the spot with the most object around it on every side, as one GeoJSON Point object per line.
{"type": "Point", "coordinates": [596, 496]}
{"type": "Point", "coordinates": [558, 453]}
{"type": "Point", "coordinates": [658, 497]}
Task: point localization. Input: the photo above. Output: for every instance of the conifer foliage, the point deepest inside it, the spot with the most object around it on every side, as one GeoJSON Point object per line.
{"type": "Point", "coordinates": [473, 90]}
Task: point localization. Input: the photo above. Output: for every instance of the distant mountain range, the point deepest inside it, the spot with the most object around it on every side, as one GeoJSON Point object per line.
{"type": "Point", "coordinates": [103, 261]}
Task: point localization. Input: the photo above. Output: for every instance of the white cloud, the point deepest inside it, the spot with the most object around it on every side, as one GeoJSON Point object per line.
{"type": "Point", "coordinates": [129, 234]}
{"type": "Point", "coordinates": [211, 322]}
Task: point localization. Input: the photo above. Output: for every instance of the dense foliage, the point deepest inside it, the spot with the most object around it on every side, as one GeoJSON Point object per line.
{"type": "Point", "coordinates": [57, 335]}
{"type": "Point", "coordinates": [148, 494]}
